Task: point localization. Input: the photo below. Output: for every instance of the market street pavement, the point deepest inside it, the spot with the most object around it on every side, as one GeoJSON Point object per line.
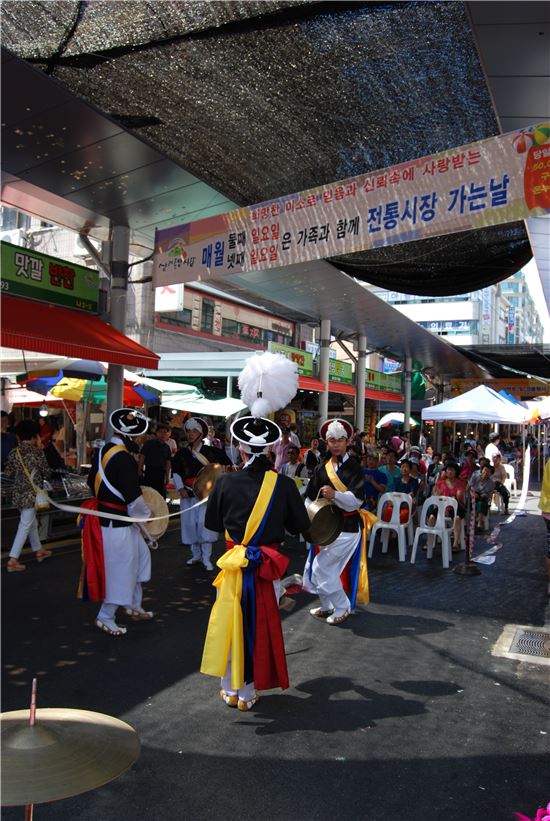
{"type": "Point", "coordinates": [401, 713]}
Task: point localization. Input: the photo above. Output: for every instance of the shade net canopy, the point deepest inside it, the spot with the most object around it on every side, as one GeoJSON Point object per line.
{"type": "Point", "coordinates": [262, 99]}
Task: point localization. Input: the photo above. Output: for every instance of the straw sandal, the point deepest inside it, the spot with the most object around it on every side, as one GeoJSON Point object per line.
{"type": "Point", "coordinates": [245, 706]}
{"type": "Point", "coordinates": [139, 615]}
{"type": "Point", "coordinates": [230, 699]}
{"type": "Point", "coordinates": [318, 613]}
{"type": "Point", "coordinates": [338, 619]}
{"type": "Point", "coordinates": [116, 630]}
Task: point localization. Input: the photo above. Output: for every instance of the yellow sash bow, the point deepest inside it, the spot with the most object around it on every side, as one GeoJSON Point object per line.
{"type": "Point", "coordinates": [225, 627]}
{"type": "Point", "coordinates": [367, 521]}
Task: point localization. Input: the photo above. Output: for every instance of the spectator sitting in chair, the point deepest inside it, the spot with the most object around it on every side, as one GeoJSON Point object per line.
{"type": "Point", "coordinates": [499, 477]}
{"type": "Point", "coordinates": [484, 488]}
{"type": "Point", "coordinates": [375, 481]}
{"type": "Point", "coordinates": [406, 484]}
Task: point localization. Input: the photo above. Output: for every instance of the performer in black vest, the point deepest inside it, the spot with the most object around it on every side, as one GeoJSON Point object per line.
{"type": "Point", "coordinates": [127, 560]}
{"type": "Point", "coordinates": [186, 465]}
{"type": "Point", "coordinates": [340, 479]}
{"type": "Point", "coordinates": [244, 644]}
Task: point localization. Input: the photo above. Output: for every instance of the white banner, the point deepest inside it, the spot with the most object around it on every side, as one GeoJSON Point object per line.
{"type": "Point", "coordinates": [498, 180]}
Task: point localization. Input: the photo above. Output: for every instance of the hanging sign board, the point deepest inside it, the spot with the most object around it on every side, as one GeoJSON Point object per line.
{"type": "Point", "coordinates": [497, 180]}
{"type": "Point", "coordinates": [28, 273]}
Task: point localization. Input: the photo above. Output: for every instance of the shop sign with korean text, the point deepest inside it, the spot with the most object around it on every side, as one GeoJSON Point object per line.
{"type": "Point", "coordinates": [340, 371]}
{"type": "Point", "coordinates": [302, 359]}
{"type": "Point", "coordinates": [498, 180]}
{"type": "Point", "coordinates": [33, 275]}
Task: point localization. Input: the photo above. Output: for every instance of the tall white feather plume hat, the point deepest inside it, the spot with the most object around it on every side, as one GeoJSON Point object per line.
{"type": "Point", "coordinates": [336, 429]}
{"type": "Point", "coordinates": [268, 382]}
{"type": "Point", "coordinates": [129, 422]}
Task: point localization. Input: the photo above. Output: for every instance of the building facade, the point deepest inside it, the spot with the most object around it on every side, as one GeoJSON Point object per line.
{"type": "Point", "coordinates": [500, 314]}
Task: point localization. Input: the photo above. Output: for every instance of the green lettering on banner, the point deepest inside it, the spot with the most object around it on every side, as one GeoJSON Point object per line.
{"type": "Point", "coordinates": [378, 381]}
{"type": "Point", "coordinates": [302, 359]}
{"type": "Point", "coordinates": [33, 275]}
{"type": "Point", "coordinates": [340, 371]}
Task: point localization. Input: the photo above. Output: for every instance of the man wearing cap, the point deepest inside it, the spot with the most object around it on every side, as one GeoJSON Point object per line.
{"type": "Point", "coordinates": [340, 480]}
{"type": "Point", "coordinates": [492, 448]}
{"type": "Point", "coordinates": [186, 465]}
{"type": "Point", "coordinates": [116, 557]}
{"type": "Point", "coordinates": [244, 643]}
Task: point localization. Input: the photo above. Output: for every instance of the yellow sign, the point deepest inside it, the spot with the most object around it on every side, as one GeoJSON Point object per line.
{"type": "Point", "coordinates": [519, 388]}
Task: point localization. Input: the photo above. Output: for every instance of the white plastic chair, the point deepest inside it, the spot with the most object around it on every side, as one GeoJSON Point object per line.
{"type": "Point", "coordinates": [403, 529]}
{"type": "Point", "coordinates": [510, 481]}
{"type": "Point", "coordinates": [442, 527]}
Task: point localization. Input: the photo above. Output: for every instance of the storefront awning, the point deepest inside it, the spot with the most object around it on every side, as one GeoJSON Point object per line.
{"type": "Point", "coordinates": [48, 329]}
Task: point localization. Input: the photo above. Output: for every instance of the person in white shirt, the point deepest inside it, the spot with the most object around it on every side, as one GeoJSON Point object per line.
{"type": "Point", "coordinates": [293, 468]}
{"type": "Point", "coordinates": [293, 436]}
{"type": "Point", "coordinates": [492, 448]}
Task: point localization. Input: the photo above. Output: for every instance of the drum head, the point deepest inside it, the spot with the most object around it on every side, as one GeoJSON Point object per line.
{"type": "Point", "coordinates": [326, 524]}
{"type": "Point", "coordinates": [206, 479]}
{"type": "Point", "coordinates": [158, 507]}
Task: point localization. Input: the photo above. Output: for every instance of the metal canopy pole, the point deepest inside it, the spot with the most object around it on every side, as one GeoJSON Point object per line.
{"type": "Point", "coordinates": [119, 290]}
{"type": "Point", "coordinates": [360, 386]}
{"type": "Point", "coordinates": [408, 395]}
{"type": "Point", "coordinates": [324, 347]}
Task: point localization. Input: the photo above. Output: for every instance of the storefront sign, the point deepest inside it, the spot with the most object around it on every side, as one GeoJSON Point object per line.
{"type": "Point", "coordinates": [340, 371]}
{"type": "Point", "coordinates": [497, 180]}
{"type": "Point", "coordinates": [302, 359]}
{"type": "Point", "coordinates": [383, 381]}
{"type": "Point", "coordinates": [526, 388]}
{"type": "Point", "coordinates": [36, 276]}
{"type": "Point", "coordinates": [486, 316]}
{"type": "Point", "coordinates": [511, 325]}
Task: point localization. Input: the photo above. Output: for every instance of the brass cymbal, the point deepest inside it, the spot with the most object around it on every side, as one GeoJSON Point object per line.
{"type": "Point", "coordinates": [158, 507]}
{"type": "Point", "coordinates": [65, 753]}
{"type": "Point", "coordinates": [206, 479]}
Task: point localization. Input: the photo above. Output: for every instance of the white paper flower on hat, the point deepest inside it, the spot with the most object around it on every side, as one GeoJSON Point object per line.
{"type": "Point", "coordinates": [336, 430]}
{"type": "Point", "coordinates": [268, 382]}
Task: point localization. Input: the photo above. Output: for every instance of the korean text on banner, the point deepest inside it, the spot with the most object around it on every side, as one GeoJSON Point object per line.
{"type": "Point", "coordinates": [497, 180]}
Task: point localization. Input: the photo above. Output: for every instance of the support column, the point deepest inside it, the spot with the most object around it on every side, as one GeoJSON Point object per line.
{"type": "Point", "coordinates": [324, 347]}
{"type": "Point", "coordinates": [360, 382]}
{"type": "Point", "coordinates": [119, 287]}
{"type": "Point", "coordinates": [408, 394]}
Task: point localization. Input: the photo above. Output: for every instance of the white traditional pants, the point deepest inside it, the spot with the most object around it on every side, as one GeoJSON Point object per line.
{"type": "Point", "coordinates": [127, 565]}
{"type": "Point", "coordinates": [194, 533]}
{"type": "Point", "coordinates": [325, 571]}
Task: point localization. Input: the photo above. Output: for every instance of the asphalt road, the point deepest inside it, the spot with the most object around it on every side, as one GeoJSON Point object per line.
{"type": "Point", "coordinates": [401, 714]}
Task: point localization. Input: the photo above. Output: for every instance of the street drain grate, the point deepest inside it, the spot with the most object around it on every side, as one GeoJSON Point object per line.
{"type": "Point", "coordinates": [531, 643]}
{"type": "Point", "coordinates": [524, 643]}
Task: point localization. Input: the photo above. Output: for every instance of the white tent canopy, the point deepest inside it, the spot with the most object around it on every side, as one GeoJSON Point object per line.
{"type": "Point", "coordinates": [178, 396]}
{"type": "Point", "coordinates": [482, 404]}
{"type": "Point", "coordinates": [203, 407]}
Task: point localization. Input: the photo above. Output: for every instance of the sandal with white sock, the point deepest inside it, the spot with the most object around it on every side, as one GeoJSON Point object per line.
{"type": "Point", "coordinates": [231, 699]}
{"type": "Point", "coordinates": [245, 706]}
{"type": "Point", "coordinates": [110, 627]}
{"type": "Point", "coordinates": [138, 614]}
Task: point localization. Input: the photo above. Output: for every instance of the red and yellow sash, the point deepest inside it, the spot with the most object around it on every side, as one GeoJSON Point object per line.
{"type": "Point", "coordinates": [225, 627]}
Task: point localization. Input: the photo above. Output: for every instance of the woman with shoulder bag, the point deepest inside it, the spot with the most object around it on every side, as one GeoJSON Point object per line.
{"type": "Point", "coordinates": [28, 468]}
